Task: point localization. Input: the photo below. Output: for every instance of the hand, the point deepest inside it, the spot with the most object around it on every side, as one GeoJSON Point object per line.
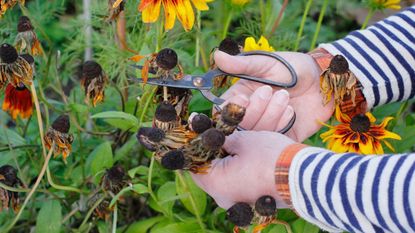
{"type": "Point", "coordinates": [305, 97]}
{"type": "Point", "coordinates": [248, 173]}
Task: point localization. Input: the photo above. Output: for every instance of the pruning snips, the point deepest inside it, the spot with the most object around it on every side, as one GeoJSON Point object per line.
{"type": "Point", "coordinates": [204, 82]}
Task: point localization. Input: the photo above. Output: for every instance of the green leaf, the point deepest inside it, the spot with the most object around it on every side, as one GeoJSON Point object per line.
{"type": "Point", "coordinates": [144, 225]}
{"type": "Point", "coordinates": [287, 215]}
{"type": "Point", "coordinates": [9, 136]}
{"type": "Point", "coordinates": [118, 119]}
{"type": "Point", "coordinates": [302, 226]}
{"type": "Point", "coordinates": [49, 217]}
{"type": "Point", "coordinates": [140, 170]}
{"type": "Point", "coordinates": [126, 149]}
{"type": "Point", "coordinates": [100, 158]}
{"type": "Point", "coordinates": [190, 192]}
{"type": "Point", "coordinates": [165, 195]}
{"type": "Point", "coordinates": [140, 188]}
{"type": "Point", "coordinates": [199, 103]}
{"type": "Point", "coordinates": [188, 227]}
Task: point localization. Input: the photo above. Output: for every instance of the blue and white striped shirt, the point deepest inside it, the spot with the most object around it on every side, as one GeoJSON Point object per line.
{"type": "Point", "coordinates": [349, 192]}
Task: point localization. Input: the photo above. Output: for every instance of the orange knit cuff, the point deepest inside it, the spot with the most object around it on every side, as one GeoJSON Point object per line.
{"type": "Point", "coordinates": [322, 58]}
{"type": "Point", "coordinates": [282, 169]}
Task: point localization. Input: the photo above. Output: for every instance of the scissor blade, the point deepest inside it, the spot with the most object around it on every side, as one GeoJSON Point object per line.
{"type": "Point", "coordinates": [151, 71]}
{"type": "Point", "coordinates": [186, 82]}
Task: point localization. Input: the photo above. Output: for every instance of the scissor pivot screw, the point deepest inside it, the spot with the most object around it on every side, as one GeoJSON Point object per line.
{"type": "Point", "coordinates": [198, 81]}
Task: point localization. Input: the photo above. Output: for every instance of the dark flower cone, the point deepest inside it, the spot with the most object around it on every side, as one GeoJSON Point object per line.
{"type": "Point", "coordinates": [10, 175]}
{"type": "Point", "coordinates": [24, 24]}
{"type": "Point", "coordinates": [8, 53]}
{"type": "Point", "coordinates": [166, 112]}
{"type": "Point", "coordinates": [62, 124]}
{"type": "Point", "coordinates": [240, 214]}
{"type": "Point", "coordinates": [91, 69]}
{"type": "Point", "coordinates": [166, 59]}
{"type": "Point", "coordinates": [266, 206]}
{"type": "Point", "coordinates": [28, 58]}
{"type": "Point", "coordinates": [213, 139]}
{"type": "Point", "coordinates": [339, 65]}
{"type": "Point", "coordinates": [173, 160]}
{"type": "Point", "coordinates": [200, 123]}
{"type": "Point", "coordinates": [229, 46]}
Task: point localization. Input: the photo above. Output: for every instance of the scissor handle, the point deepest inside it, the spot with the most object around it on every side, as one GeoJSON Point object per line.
{"type": "Point", "coordinates": [217, 72]}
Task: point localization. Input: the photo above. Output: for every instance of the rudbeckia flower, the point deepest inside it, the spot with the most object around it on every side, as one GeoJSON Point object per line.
{"type": "Point", "coordinates": [7, 4]}
{"type": "Point", "coordinates": [93, 81]}
{"type": "Point", "coordinates": [26, 38]}
{"type": "Point", "coordinates": [358, 134]}
{"type": "Point", "coordinates": [8, 176]}
{"type": "Point", "coordinates": [14, 68]}
{"type": "Point", "coordinates": [262, 45]}
{"type": "Point", "coordinates": [181, 8]}
{"type": "Point", "coordinates": [382, 4]}
{"type": "Point", "coordinates": [18, 101]}
{"type": "Point", "coordinates": [59, 136]}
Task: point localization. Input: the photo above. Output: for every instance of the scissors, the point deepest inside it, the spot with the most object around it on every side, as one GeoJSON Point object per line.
{"type": "Point", "coordinates": [204, 82]}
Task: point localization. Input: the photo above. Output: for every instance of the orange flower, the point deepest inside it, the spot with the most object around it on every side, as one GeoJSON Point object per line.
{"type": "Point", "coordinates": [358, 134]}
{"type": "Point", "coordinates": [181, 8]}
{"type": "Point", "coordinates": [18, 101]}
{"type": "Point", "coordinates": [26, 38]}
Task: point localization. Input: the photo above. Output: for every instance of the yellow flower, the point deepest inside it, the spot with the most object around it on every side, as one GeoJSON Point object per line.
{"type": "Point", "coordinates": [358, 134]}
{"type": "Point", "coordinates": [239, 2]}
{"type": "Point", "coordinates": [262, 45]}
{"type": "Point", "coordinates": [382, 4]}
{"type": "Point", "coordinates": [181, 8]}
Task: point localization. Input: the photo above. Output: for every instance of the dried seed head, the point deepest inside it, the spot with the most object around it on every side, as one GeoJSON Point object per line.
{"type": "Point", "coordinates": [213, 139]}
{"type": "Point", "coordinates": [360, 123]}
{"type": "Point", "coordinates": [200, 123]}
{"type": "Point", "coordinates": [91, 69]}
{"type": "Point", "coordinates": [113, 179]}
{"type": "Point", "coordinates": [62, 124]}
{"type": "Point", "coordinates": [166, 59]}
{"type": "Point", "coordinates": [266, 206]}
{"type": "Point", "coordinates": [339, 65]}
{"type": "Point", "coordinates": [229, 46]}
{"type": "Point", "coordinates": [240, 214]}
{"type": "Point", "coordinates": [147, 136]}
{"type": "Point", "coordinates": [8, 53]}
{"type": "Point", "coordinates": [232, 114]}
{"type": "Point", "coordinates": [10, 175]}
{"type": "Point", "coordinates": [173, 160]}
{"type": "Point", "coordinates": [116, 174]}
{"type": "Point", "coordinates": [28, 58]}
{"type": "Point", "coordinates": [24, 24]}
{"type": "Point", "coordinates": [165, 112]}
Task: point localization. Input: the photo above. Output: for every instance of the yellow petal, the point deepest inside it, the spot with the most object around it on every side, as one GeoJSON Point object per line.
{"type": "Point", "coordinates": [169, 15]}
{"type": "Point", "coordinates": [389, 145]}
{"type": "Point", "coordinates": [389, 134]}
{"type": "Point", "coordinates": [367, 148]}
{"type": "Point", "coordinates": [185, 13]}
{"type": "Point", "coordinates": [151, 13]}
{"type": "Point", "coordinates": [200, 5]}
{"type": "Point", "coordinates": [372, 118]}
{"type": "Point", "coordinates": [264, 45]}
{"type": "Point", "coordinates": [116, 3]}
{"type": "Point", "coordinates": [250, 44]}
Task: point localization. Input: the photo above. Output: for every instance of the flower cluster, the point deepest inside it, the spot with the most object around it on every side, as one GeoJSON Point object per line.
{"type": "Point", "coordinates": [8, 176]}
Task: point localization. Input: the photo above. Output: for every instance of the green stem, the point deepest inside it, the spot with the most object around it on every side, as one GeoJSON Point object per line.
{"type": "Point", "coordinates": [90, 211]}
{"type": "Point", "coordinates": [368, 17]}
{"type": "Point", "coordinates": [147, 104]}
{"type": "Point", "coordinates": [197, 43]}
{"type": "Point", "coordinates": [303, 20]}
{"type": "Point", "coordinates": [227, 24]}
{"type": "Point", "coordinates": [262, 10]}
{"type": "Point", "coordinates": [319, 22]}
{"type": "Point", "coordinates": [60, 187]}
{"type": "Point", "coordinates": [114, 219]}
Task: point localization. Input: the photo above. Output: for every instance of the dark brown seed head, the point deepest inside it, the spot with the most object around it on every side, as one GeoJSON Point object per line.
{"type": "Point", "coordinates": [91, 69]}
{"type": "Point", "coordinates": [266, 206]}
{"type": "Point", "coordinates": [173, 160]}
{"type": "Point", "coordinates": [8, 53]}
{"type": "Point", "coordinates": [233, 114]}
{"type": "Point", "coordinates": [240, 214]}
{"type": "Point", "coordinates": [153, 134]}
{"type": "Point", "coordinates": [116, 174]}
{"type": "Point", "coordinates": [200, 123]}
{"type": "Point", "coordinates": [213, 139]}
{"type": "Point", "coordinates": [28, 58]}
{"type": "Point", "coordinates": [10, 175]}
{"type": "Point", "coordinates": [62, 124]}
{"type": "Point", "coordinates": [24, 24]}
{"type": "Point", "coordinates": [166, 59]}
{"type": "Point", "coordinates": [165, 112]}
{"type": "Point", "coordinates": [360, 123]}
{"type": "Point", "coordinates": [339, 65]}
{"type": "Point", "coordinates": [229, 46]}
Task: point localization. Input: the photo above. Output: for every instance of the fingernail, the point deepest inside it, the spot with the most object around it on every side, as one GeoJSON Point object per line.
{"type": "Point", "coordinates": [265, 92]}
{"type": "Point", "coordinates": [282, 96]}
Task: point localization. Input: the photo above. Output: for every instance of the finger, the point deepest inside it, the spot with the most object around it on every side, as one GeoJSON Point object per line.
{"type": "Point", "coordinates": [274, 111]}
{"type": "Point", "coordinates": [239, 88]}
{"type": "Point", "coordinates": [285, 119]}
{"type": "Point", "coordinates": [258, 102]}
{"type": "Point", "coordinates": [249, 65]}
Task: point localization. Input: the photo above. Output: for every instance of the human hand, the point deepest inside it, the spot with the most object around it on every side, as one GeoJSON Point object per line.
{"type": "Point", "coordinates": [305, 97]}
{"type": "Point", "coordinates": [248, 173]}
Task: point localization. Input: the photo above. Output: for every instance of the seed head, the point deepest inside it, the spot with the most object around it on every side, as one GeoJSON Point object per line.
{"type": "Point", "coordinates": [165, 112]}
{"type": "Point", "coordinates": [166, 59]}
{"type": "Point", "coordinates": [173, 160]}
{"type": "Point", "coordinates": [147, 136]}
{"type": "Point", "coordinates": [339, 65]}
{"type": "Point", "coordinates": [229, 46]}
{"type": "Point", "coordinates": [240, 214]}
{"type": "Point", "coordinates": [28, 58]}
{"type": "Point", "coordinates": [213, 139]}
{"type": "Point", "coordinates": [10, 175]}
{"type": "Point", "coordinates": [113, 179]}
{"type": "Point", "coordinates": [24, 24]}
{"type": "Point", "coordinates": [91, 69]}
{"type": "Point", "coordinates": [200, 123]}
{"type": "Point", "coordinates": [232, 114]}
{"type": "Point", "coordinates": [360, 123]}
{"type": "Point", "coordinates": [62, 124]}
{"type": "Point", "coordinates": [266, 206]}
{"type": "Point", "coordinates": [8, 53]}
{"type": "Point", "coordinates": [116, 174]}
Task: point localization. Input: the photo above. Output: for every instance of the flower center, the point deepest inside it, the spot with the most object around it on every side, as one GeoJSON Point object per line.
{"type": "Point", "coordinates": [360, 123]}
{"type": "Point", "coordinates": [91, 69]}
{"type": "Point", "coordinates": [24, 24]}
{"type": "Point", "coordinates": [166, 59]}
{"type": "Point", "coordinates": [229, 46]}
{"type": "Point", "coordinates": [339, 65]}
{"type": "Point", "coordinates": [8, 53]}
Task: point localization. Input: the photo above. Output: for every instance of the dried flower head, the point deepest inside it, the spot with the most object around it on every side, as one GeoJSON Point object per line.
{"type": "Point", "coordinates": [162, 64]}
{"type": "Point", "coordinates": [230, 117]}
{"type": "Point", "coordinates": [200, 123]}
{"type": "Point", "coordinates": [178, 97]}
{"type": "Point", "coordinates": [103, 209]}
{"type": "Point", "coordinates": [114, 179]}
{"type": "Point", "coordinates": [93, 81]}
{"type": "Point", "coordinates": [166, 59]}
{"type": "Point", "coordinates": [228, 46]}
{"type": "Point", "coordinates": [240, 214]}
{"type": "Point", "coordinates": [266, 206]}
{"type": "Point", "coordinates": [338, 80]}
{"type": "Point", "coordinates": [8, 176]}
{"type": "Point", "coordinates": [59, 137]}
{"type": "Point", "coordinates": [26, 39]}
{"type": "Point", "coordinates": [18, 101]}
{"type": "Point", "coordinates": [150, 137]}
{"type": "Point", "coordinates": [14, 68]}
{"type": "Point", "coordinates": [173, 160]}
{"type": "Point", "coordinates": [166, 117]}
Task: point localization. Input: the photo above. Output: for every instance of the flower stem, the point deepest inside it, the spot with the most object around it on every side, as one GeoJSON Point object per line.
{"type": "Point", "coordinates": [368, 17]}
{"type": "Point", "coordinates": [90, 211]}
{"type": "Point", "coordinates": [198, 34]}
{"type": "Point", "coordinates": [278, 20]}
{"type": "Point", "coordinates": [114, 219]}
{"type": "Point", "coordinates": [39, 117]}
{"type": "Point", "coordinates": [227, 23]}
{"type": "Point", "coordinates": [303, 20]}
{"type": "Point", "coordinates": [60, 187]}
{"type": "Point", "coordinates": [319, 22]}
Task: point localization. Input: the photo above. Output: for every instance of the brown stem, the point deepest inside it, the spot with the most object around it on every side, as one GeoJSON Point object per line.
{"type": "Point", "coordinates": [277, 21]}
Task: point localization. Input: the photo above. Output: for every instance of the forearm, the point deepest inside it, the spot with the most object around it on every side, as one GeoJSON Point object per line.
{"type": "Point", "coordinates": [383, 58]}
{"type": "Point", "coordinates": [354, 193]}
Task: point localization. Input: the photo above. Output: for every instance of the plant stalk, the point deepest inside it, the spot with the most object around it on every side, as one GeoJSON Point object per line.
{"type": "Point", "coordinates": [319, 22]}
{"type": "Point", "coordinates": [303, 20]}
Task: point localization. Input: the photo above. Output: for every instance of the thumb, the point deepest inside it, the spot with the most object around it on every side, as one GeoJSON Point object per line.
{"type": "Point", "coordinates": [254, 65]}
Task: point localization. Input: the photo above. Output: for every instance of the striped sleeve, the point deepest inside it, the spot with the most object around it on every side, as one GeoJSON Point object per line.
{"type": "Point", "coordinates": [354, 193]}
{"type": "Point", "coordinates": [382, 57]}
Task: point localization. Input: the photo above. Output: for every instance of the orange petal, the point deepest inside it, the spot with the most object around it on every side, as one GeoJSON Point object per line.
{"type": "Point", "coordinates": [366, 146]}
{"type": "Point", "coordinates": [151, 12]}
{"type": "Point", "coordinates": [185, 13]}
{"type": "Point", "coordinates": [136, 58]}
{"type": "Point", "coordinates": [169, 15]}
{"type": "Point", "coordinates": [117, 3]}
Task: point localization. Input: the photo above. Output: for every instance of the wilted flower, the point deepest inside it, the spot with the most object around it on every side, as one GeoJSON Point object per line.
{"type": "Point", "coordinates": [358, 134]}
{"type": "Point", "coordinates": [59, 136]}
{"type": "Point", "coordinates": [229, 118]}
{"type": "Point", "coordinates": [8, 176]}
{"type": "Point", "coordinates": [103, 209]}
{"type": "Point", "coordinates": [7, 4]}
{"type": "Point", "coordinates": [18, 101]}
{"type": "Point", "coordinates": [93, 81]}
{"type": "Point", "coordinates": [382, 4]}
{"type": "Point", "coordinates": [161, 64]}
{"type": "Point", "coordinates": [262, 45]}
{"type": "Point", "coordinates": [166, 117]}
{"type": "Point", "coordinates": [181, 8]}
{"type": "Point", "coordinates": [114, 179]}
{"type": "Point", "coordinates": [178, 97]}
{"type": "Point", "coordinates": [26, 38]}
{"type": "Point", "coordinates": [14, 68]}
{"type": "Point", "coordinates": [114, 8]}
{"type": "Point", "coordinates": [230, 47]}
